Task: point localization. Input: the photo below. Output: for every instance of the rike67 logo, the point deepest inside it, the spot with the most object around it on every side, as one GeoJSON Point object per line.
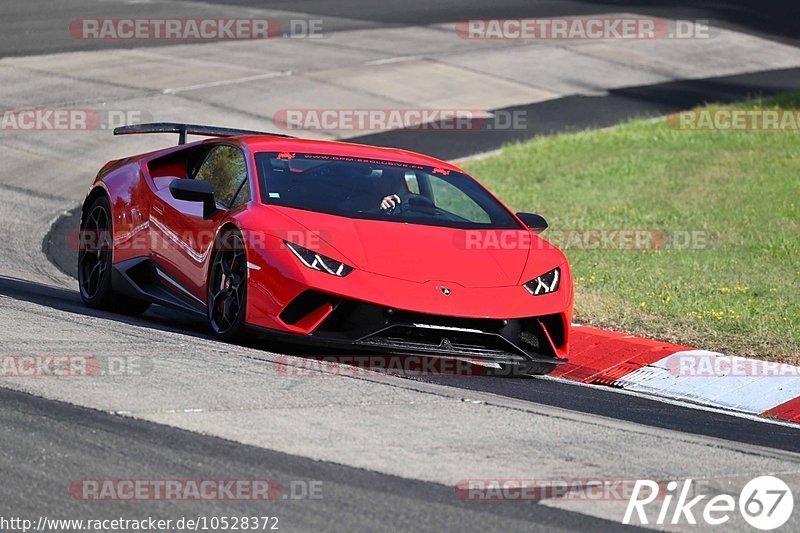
{"type": "Point", "coordinates": [766, 503]}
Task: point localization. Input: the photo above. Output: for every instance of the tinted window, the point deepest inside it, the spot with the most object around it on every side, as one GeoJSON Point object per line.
{"type": "Point", "coordinates": [452, 199]}
{"type": "Point", "coordinates": [357, 188]}
{"type": "Point", "coordinates": [226, 170]}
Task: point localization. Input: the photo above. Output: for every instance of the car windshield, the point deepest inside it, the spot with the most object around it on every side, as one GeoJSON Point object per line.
{"type": "Point", "coordinates": [378, 190]}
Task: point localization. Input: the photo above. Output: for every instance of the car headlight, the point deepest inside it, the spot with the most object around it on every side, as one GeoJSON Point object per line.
{"type": "Point", "coordinates": [544, 284]}
{"type": "Point", "coordinates": [319, 262]}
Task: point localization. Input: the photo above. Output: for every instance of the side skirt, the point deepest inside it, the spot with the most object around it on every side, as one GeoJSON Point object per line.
{"type": "Point", "coordinates": [141, 278]}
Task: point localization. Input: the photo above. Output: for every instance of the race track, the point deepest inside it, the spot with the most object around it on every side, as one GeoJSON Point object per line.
{"type": "Point", "coordinates": [388, 451]}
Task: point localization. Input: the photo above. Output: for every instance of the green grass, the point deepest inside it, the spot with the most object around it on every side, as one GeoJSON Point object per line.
{"type": "Point", "coordinates": [740, 293]}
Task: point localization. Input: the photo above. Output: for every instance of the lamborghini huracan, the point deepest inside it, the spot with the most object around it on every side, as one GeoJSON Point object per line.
{"type": "Point", "coordinates": [324, 242]}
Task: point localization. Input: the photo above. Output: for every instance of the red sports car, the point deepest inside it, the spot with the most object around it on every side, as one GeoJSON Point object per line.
{"type": "Point", "coordinates": [327, 242]}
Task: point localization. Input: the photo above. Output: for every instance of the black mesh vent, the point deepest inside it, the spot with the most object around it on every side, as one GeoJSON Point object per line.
{"type": "Point", "coordinates": [305, 304]}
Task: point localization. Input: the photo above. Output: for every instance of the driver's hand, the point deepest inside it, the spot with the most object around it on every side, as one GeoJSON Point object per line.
{"type": "Point", "coordinates": [390, 202]}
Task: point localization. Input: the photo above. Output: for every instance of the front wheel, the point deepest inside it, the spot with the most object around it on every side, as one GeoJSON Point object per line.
{"type": "Point", "coordinates": [227, 287]}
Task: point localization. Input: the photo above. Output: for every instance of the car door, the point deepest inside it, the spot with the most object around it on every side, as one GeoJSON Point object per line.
{"type": "Point", "coordinates": [186, 239]}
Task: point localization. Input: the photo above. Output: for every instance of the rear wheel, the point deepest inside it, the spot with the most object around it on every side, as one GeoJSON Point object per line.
{"type": "Point", "coordinates": [227, 287]}
{"type": "Point", "coordinates": [94, 263]}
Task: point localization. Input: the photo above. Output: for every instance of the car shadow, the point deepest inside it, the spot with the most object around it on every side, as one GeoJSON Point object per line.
{"type": "Point", "coordinates": [68, 300]}
{"type": "Point", "coordinates": [312, 358]}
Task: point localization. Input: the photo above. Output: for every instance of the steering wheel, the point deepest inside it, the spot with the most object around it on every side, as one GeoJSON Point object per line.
{"type": "Point", "coordinates": [413, 202]}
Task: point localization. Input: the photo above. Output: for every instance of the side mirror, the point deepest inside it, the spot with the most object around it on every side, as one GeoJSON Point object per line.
{"type": "Point", "coordinates": [535, 222]}
{"type": "Point", "coordinates": [195, 191]}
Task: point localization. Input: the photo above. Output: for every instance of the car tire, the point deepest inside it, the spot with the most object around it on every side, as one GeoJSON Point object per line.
{"type": "Point", "coordinates": [95, 254]}
{"type": "Point", "coordinates": [227, 287]}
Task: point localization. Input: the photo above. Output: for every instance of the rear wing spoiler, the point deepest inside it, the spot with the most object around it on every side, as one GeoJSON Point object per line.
{"type": "Point", "coordinates": [188, 129]}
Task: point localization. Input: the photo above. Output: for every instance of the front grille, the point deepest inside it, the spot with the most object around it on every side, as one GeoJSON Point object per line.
{"type": "Point", "coordinates": [397, 343]}
{"type": "Point", "coordinates": [444, 341]}
{"type": "Point", "coordinates": [377, 326]}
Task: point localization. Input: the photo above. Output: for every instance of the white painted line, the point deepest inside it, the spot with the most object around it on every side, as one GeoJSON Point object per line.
{"type": "Point", "coordinates": [222, 83]}
{"type": "Point", "coordinates": [390, 60]}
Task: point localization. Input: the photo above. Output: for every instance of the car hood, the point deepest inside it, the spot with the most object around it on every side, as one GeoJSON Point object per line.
{"type": "Point", "coordinates": [413, 252]}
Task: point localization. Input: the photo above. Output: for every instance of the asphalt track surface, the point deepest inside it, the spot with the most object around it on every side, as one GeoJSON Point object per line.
{"type": "Point", "coordinates": [37, 26]}
{"type": "Point", "coordinates": [45, 443]}
{"type": "Point", "coordinates": [123, 448]}
{"type": "Point", "coordinates": [589, 400]}
{"type": "Point", "coordinates": [564, 114]}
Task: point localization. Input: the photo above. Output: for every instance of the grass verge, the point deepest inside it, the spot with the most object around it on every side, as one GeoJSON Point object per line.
{"type": "Point", "coordinates": [722, 271]}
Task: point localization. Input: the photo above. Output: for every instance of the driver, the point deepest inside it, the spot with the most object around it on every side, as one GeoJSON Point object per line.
{"type": "Point", "coordinates": [395, 189]}
{"type": "Point", "coordinates": [391, 201]}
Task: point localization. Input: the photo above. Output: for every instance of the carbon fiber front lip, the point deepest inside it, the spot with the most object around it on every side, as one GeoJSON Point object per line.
{"type": "Point", "coordinates": [502, 351]}
{"type": "Point", "coordinates": [330, 341]}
